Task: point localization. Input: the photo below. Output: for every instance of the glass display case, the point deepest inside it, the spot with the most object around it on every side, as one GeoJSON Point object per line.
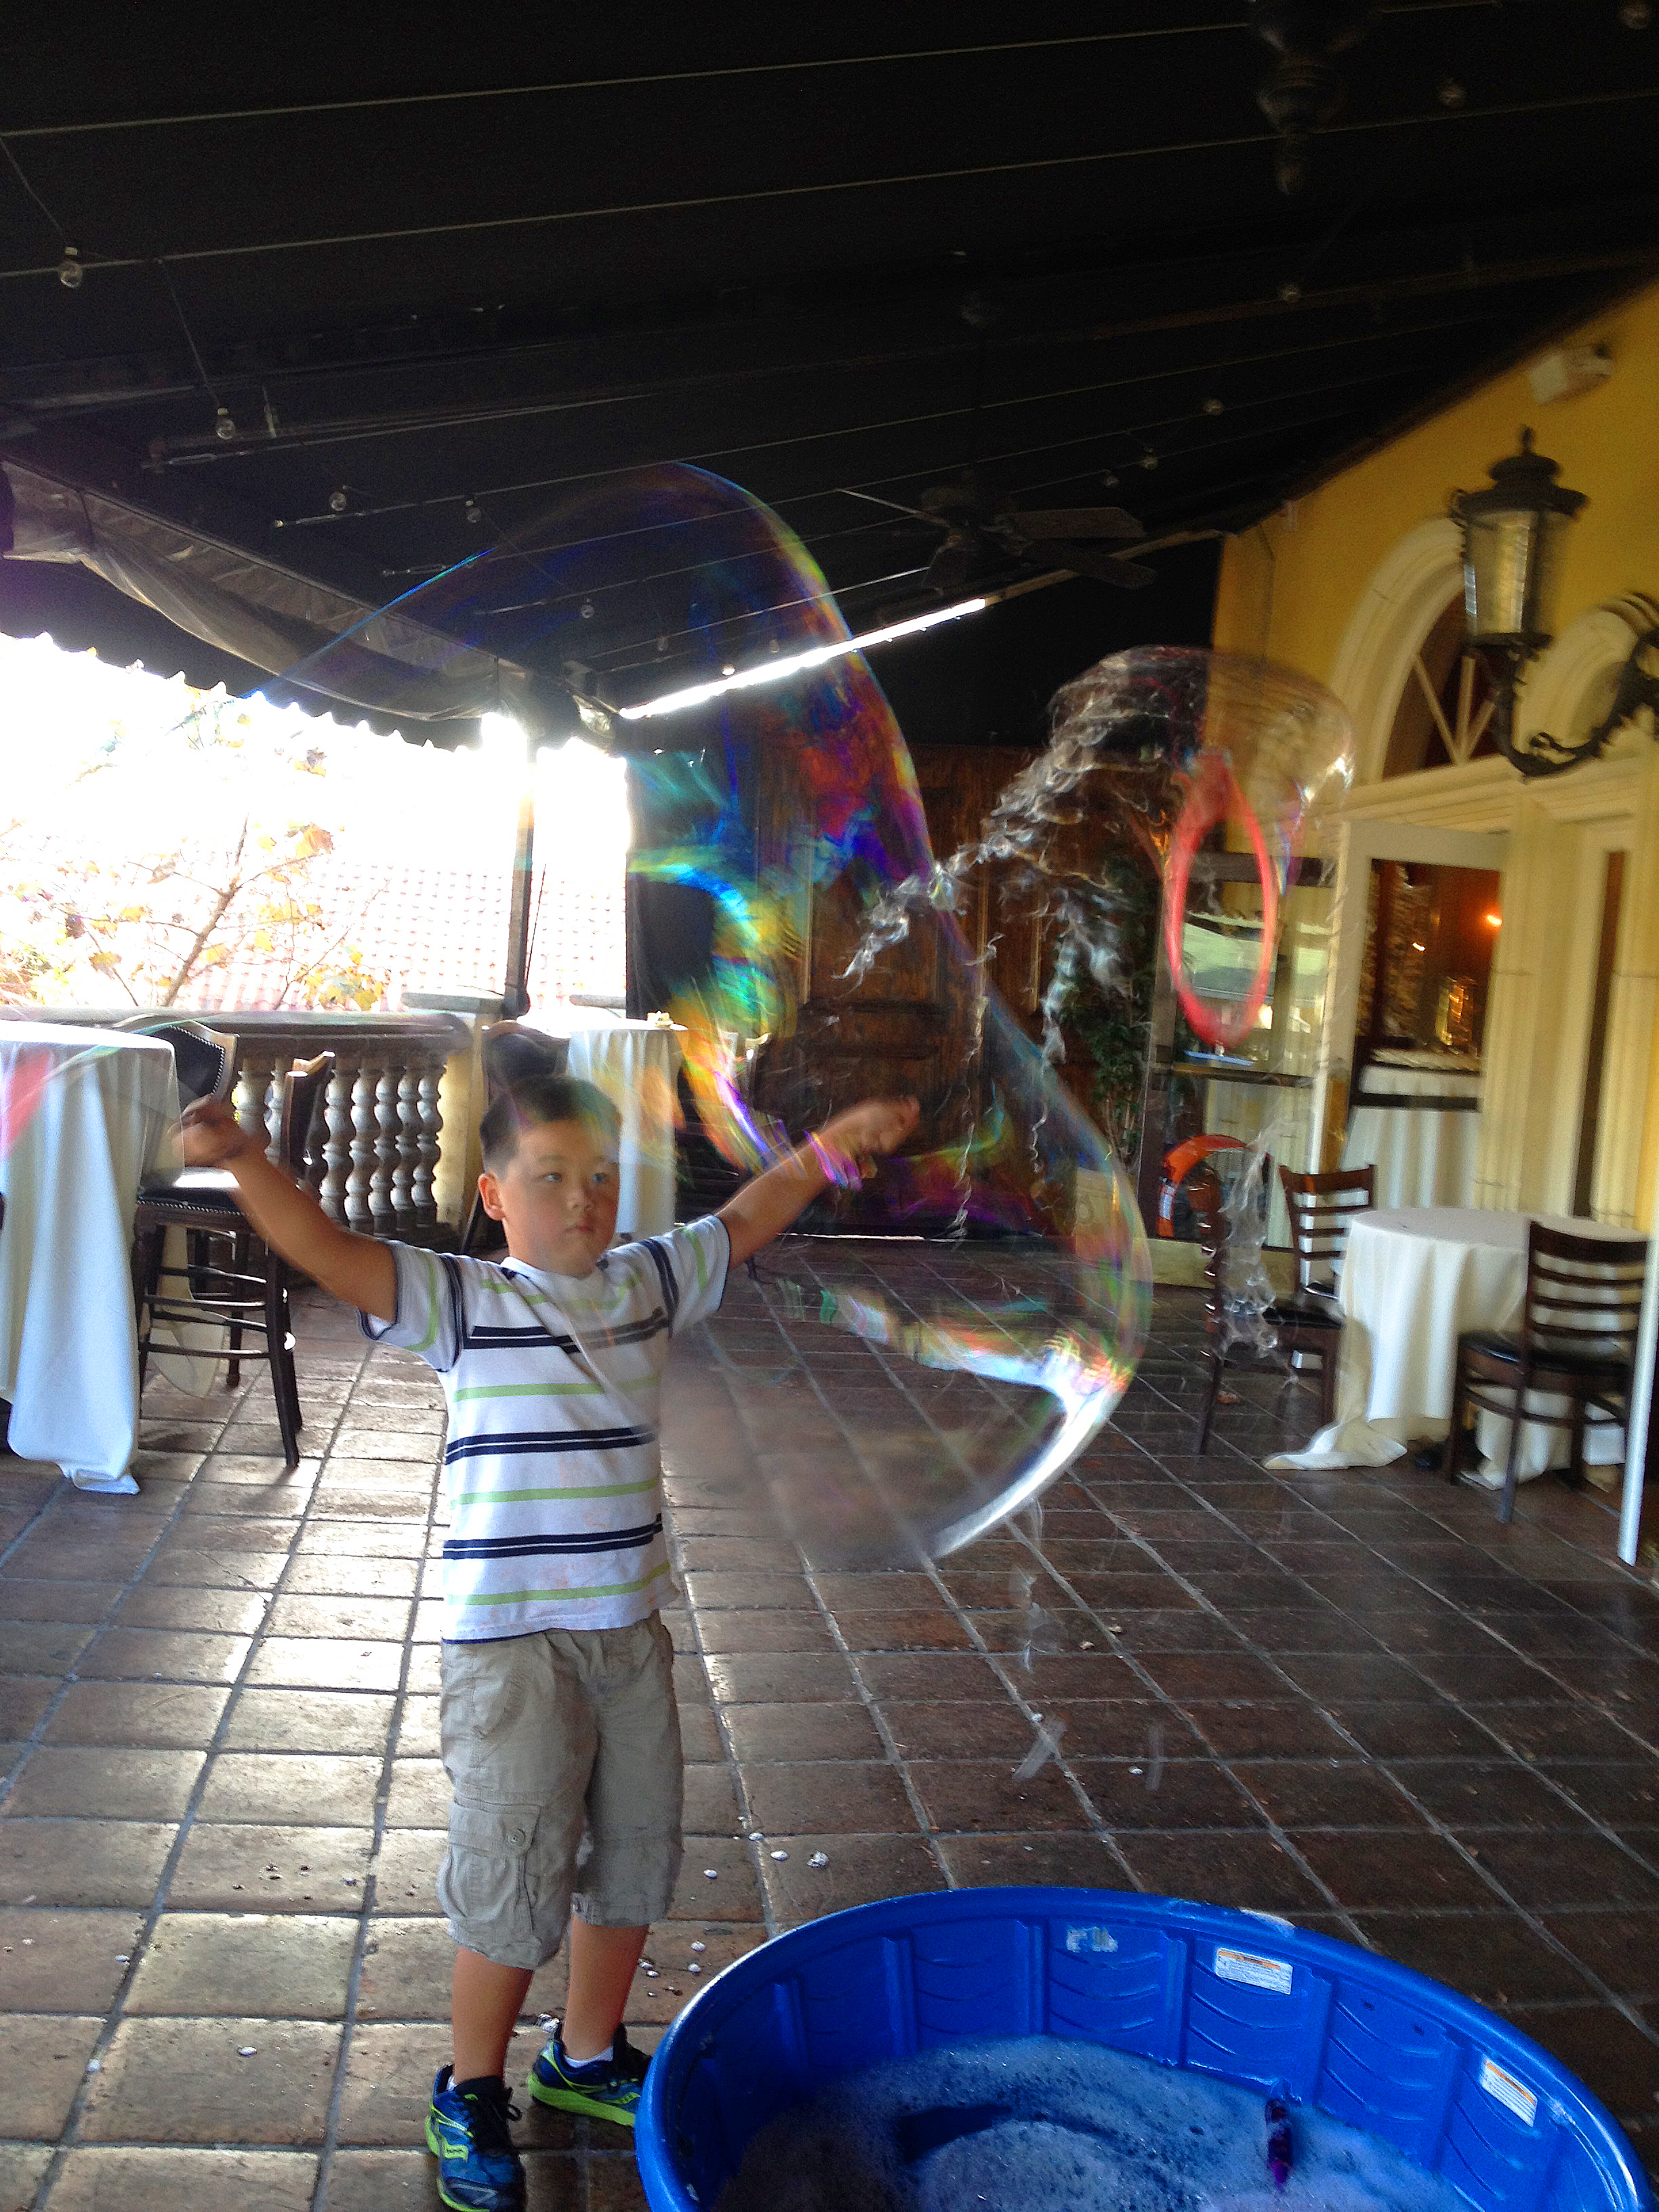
{"type": "Point", "coordinates": [1260, 1089]}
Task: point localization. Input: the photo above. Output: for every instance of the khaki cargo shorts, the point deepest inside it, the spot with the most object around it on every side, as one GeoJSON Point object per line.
{"type": "Point", "coordinates": [562, 1750]}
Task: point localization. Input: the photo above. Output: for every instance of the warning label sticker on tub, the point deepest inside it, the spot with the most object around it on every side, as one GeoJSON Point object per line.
{"type": "Point", "coordinates": [1249, 1966]}
{"type": "Point", "coordinates": [1508, 2091]}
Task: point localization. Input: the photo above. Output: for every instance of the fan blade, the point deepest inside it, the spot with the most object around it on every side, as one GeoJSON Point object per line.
{"type": "Point", "coordinates": [949, 568]}
{"type": "Point", "coordinates": [1085, 560]}
{"type": "Point", "coordinates": [1075, 522]}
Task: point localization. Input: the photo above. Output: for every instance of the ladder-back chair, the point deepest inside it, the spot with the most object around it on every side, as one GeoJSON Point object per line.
{"type": "Point", "coordinates": [244, 1291]}
{"type": "Point", "coordinates": [1315, 1326]}
{"type": "Point", "coordinates": [1576, 1341]}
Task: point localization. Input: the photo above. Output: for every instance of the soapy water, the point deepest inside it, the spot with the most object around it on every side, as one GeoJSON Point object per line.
{"type": "Point", "coordinates": [1040, 2125]}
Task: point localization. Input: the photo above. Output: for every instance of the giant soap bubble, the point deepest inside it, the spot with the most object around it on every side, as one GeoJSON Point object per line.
{"type": "Point", "coordinates": [936, 1343]}
{"type": "Point", "coordinates": [1170, 748]}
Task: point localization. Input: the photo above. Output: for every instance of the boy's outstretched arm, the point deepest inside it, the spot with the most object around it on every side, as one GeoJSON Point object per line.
{"type": "Point", "coordinates": [764, 1208]}
{"type": "Point", "coordinates": [354, 1268]}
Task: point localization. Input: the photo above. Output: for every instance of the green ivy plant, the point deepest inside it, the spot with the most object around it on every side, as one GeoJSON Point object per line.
{"type": "Point", "coordinates": [1105, 1025]}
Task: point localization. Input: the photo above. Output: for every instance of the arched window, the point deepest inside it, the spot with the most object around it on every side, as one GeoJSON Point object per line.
{"type": "Point", "coordinates": [1444, 715]}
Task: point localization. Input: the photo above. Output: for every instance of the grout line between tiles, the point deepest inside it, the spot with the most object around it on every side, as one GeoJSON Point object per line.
{"type": "Point", "coordinates": [67, 2136]}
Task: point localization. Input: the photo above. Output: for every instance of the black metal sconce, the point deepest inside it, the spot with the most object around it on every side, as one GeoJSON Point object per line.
{"type": "Point", "coordinates": [1512, 537]}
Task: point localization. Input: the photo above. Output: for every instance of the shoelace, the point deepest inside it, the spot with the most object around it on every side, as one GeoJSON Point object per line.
{"type": "Point", "coordinates": [490, 2116]}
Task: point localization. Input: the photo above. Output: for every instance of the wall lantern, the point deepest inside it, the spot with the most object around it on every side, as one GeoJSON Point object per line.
{"type": "Point", "coordinates": [1512, 537]}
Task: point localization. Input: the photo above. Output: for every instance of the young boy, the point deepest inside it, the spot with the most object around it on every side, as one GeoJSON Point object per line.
{"type": "Point", "coordinates": [559, 1730]}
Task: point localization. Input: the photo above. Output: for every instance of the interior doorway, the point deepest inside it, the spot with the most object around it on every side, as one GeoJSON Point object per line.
{"type": "Point", "coordinates": [1425, 974]}
{"type": "Point", "coordinates": [1411, 970]}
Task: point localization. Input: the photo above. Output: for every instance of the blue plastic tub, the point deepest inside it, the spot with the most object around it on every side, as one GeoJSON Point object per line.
{"type": "Point", "coordinates": [1237, 1995]}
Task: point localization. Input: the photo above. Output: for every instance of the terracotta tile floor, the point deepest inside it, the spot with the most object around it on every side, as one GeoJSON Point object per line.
{"type": "Point", "coordinates": [1352, 1699]}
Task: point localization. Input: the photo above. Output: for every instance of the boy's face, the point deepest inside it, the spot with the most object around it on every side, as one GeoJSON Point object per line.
{"type": "Point", "coordinates": [556, 1198]}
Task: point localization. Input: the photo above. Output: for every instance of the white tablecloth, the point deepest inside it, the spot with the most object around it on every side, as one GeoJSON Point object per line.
{"type": "Point", "coordinates": [637, 1064]}
{"type": "Point", "coordinates": [1412, 1281]}
{"type": "Point", "coordinates": [84, 1115]}
{"type": "Point", "coordinates": [1422, 1157]}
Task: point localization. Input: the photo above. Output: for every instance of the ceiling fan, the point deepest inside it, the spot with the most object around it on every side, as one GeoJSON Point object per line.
{"type": "Point", "coordinates": [977, 525]}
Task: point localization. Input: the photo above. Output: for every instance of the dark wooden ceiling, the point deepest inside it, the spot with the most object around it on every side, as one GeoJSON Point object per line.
{"type": "Point", "coordinates": [433, 268]}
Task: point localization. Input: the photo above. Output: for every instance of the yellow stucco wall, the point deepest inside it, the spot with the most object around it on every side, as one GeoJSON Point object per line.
{"type": "Point", "coordinates": [1289, 587]}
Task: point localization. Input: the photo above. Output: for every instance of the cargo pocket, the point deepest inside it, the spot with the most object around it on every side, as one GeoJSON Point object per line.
{"type": "Point", "coordinates": [483, 1885]}
{"type": "Point", "coordinates": [481, 1698]}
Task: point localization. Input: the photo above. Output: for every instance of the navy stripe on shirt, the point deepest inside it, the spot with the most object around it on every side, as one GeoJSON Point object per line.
{"type": "Point", "coordinates": [456, 1304]}
{"type": "Point", "coordinates": [488, 1337]}
{"type": "Point", "coordinates": [516, 1442]}
{"type": "Point", "coordinates": [487, 1334]}
{"type": "Point", "coordinates": [671, 1289]}
{"type": "Point", "coordinates": [518, 1547]}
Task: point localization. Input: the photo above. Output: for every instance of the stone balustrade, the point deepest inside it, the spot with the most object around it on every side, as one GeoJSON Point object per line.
{"type": "Point", "coordinates": [375, 1154]}
{"type": "Point", "coordinates": [373, 1149]}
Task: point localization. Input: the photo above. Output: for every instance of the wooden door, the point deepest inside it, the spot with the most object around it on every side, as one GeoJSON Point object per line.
{"type": "Point", "coordinates": [908, 1026]}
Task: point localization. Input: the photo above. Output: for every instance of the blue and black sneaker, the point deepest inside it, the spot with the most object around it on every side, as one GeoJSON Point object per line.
{"type": "Point", "coordinates": [606, 2089]}
{"type": "Point", "coordinates": [466, 2131]}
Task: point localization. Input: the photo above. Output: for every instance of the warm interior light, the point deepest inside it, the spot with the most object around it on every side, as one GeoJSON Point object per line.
{"type": "Point", "coordinates": [1492, 921]}
{"type": "Point", "coordinates": [774, 672]}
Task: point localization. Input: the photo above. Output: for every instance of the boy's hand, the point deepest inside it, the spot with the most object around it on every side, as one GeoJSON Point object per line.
{"type": "Point", "coordinates": [213, 1138]}
{"type": "Point", "coordinates": [875, 1126]}
{"type": "Point", "coordinates": [763, 1209]}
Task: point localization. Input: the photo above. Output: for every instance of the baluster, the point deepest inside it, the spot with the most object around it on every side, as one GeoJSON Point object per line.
{"type": "Point", "coordinates": [337, 1146]}
{"type": "Point", "coordinates": [274, 1108]}
{"type": "Point", "coordinates": [385, 1153]}
{"type": "Point", "coordinates": [402, 1177]}
{"type": "Point", "coordinates": [313, 1161]}
{"type": "Point", "coordinates": [253, 1082]}
{"type": "Point", "coordinates": [427, 1144]}
{"type": "Point", "coordinates": [358, 1181]}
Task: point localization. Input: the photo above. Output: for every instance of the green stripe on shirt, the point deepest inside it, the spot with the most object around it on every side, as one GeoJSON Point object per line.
{"type": "Point", "coordinates": [528, 1390]}
{"type": "Point", "coordinates": [435, 1296]}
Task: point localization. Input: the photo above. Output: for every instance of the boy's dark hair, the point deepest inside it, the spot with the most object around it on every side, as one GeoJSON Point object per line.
{"type": "Point", "coordinates": [532, 1105]}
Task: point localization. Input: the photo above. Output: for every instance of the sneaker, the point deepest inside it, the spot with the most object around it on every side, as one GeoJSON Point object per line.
{"type": "Point", "coordinates": [466, 2131]}
{"type": "Point", "coordinates": [607, 2089]}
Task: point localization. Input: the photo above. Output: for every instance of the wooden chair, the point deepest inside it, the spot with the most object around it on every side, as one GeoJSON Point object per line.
{"type": "Point", "coordinates": [1321, 1208]}
{"type": "Point", "coordinates": [245, 1294]}
{"type": "Point", "coordinates": [511, 1054]}
{"type": "Point", "coordinates": [204, 1059]}
{"type": "Point", "coordinates": [1301, 1323]}
{"type": "Point", "coordinates": [1576, 1341]}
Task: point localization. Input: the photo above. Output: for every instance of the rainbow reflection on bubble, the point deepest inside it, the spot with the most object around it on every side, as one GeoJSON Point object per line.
{"type": "Point", "coordinates": [945, 1335]}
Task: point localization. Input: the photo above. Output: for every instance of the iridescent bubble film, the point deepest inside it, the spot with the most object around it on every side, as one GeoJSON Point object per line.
{"type": "Point", "coordinates": [939, 1341]}
{"type": "Point", "coordinates": [1195, 748]}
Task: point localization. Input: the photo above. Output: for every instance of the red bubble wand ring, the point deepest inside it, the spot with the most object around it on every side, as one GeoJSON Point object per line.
{"type": "Point", "coordinates": [1213, 798]}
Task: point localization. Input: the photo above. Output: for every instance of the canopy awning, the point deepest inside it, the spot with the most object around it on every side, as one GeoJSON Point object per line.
{"type": "Point", "coordinates": [308, 635]}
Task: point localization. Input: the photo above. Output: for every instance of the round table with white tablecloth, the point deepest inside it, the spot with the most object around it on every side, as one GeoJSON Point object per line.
{"type": "Point", "coordinates": [1413, 1279]}
{"type": "Point", "coordinates": [637, 1066]}
{"type": "Point", "coordinates": [1417, 1127]}
{"type": "Point", "coordinates": [85, 1115]}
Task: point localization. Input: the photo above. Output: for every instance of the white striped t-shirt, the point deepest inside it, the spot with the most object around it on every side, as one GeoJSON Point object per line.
{"type": "Point", "coordinates": [552, 1469]}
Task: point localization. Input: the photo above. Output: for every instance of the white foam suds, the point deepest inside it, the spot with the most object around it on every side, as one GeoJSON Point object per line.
{"type": "Point", "coordinates": [1086, 2130]}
